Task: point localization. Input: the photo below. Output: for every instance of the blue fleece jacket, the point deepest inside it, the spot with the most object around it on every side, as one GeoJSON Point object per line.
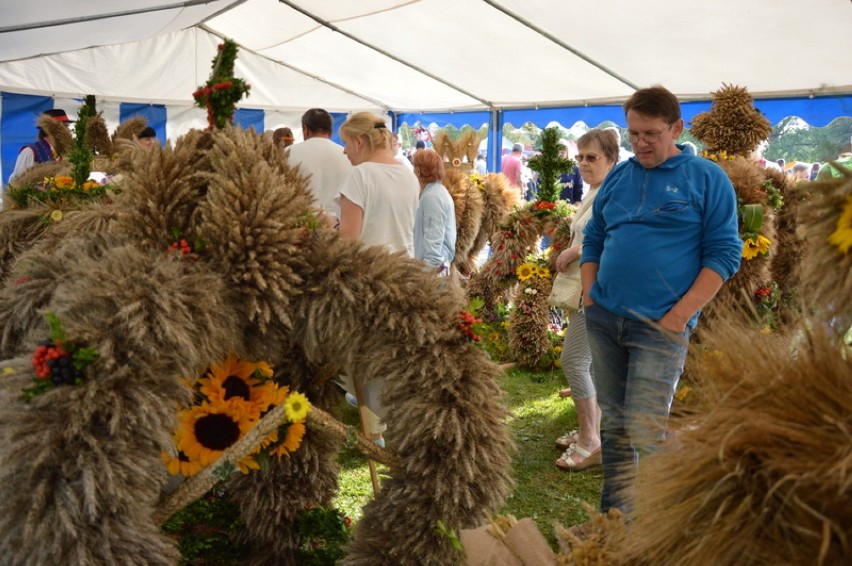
{"type": "Point", "coordinates": [652, 230]}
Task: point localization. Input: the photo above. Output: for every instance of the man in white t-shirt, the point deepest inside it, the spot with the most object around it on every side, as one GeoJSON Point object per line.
{"type": "Point", "coordinates": [321, 159]}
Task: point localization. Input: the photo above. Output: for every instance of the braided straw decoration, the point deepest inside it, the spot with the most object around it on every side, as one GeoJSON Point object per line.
{"type": "Point", "coordinates": [202, 482]}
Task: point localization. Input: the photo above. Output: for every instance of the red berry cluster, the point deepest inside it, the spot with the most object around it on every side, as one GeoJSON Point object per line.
{"type": "Point", "coordinates": [181, 247]}
{"type": "Point", "coordinates": [49, 356]}
{"type": "Point", "coordinates": [466, 322]}
{"type": "Point", "coordinates": [762, 293]}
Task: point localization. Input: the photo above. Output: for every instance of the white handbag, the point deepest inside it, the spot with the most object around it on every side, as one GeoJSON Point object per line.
{"type": "Point", "coordinates": [567, 288]}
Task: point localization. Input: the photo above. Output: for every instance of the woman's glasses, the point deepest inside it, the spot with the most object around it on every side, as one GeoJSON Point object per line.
{"type": "Point", "coordinates": [589, 158]}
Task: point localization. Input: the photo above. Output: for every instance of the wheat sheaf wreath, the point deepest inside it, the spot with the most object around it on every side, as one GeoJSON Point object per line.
{"type": "Point", "coordinates": [213, 247]}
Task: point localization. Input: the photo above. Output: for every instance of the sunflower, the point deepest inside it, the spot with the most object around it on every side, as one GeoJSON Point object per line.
{"type": "Point", "coordinates": [296, 406]}
{"type": "Point", "coordinates": [525, 271]}
{"type": "Point", "coordinates": [180, 464]}
{"type": "Point", "coordinates": [206, 430]}
{"type": "Point", "coordinates": [754, 246]}
{"type": "Point", "coordinates": [292, 440]}
{"type": "Point", "coordinates": [842, 237]}
{"type": "Point", "coordinates": [233, 379]}
{"type": "Point", "coordinates": [544, 272]}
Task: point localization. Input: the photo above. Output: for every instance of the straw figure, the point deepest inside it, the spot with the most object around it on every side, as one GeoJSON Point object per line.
{"type": "Point", "coordinates": [460, 153]}
{"type": "Point", "coordinates": [81, 474]}
{"type": "Point", "coordinates": [516, 239]}
{"type": "Point", "coordinates": [733, 124]}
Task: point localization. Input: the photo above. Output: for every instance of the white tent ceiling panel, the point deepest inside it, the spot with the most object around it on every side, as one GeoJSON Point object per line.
{"type": "Point", "coordinates": [770, 46]}
{"type": "Point", "coordinates": [47, 26]}
{"type": "Point", "coordinates": [339, 60]}
{"type": "Point", "coordinates": [428, 55]}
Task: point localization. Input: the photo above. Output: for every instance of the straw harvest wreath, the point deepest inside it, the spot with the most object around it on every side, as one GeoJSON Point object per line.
{"type": "Point", "coordinates": [212, 250]}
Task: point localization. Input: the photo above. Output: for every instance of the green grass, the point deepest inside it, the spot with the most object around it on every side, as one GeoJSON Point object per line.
{"type": "Point", "coordinates": [542, 492]}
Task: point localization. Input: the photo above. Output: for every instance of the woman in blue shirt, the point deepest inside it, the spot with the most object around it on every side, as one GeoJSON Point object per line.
{"type": "Point", "coordinates": [435, 222]}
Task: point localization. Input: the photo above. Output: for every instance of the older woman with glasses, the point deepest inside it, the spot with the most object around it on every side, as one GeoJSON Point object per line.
{"type": "Point", "coordinates": [597, 155]}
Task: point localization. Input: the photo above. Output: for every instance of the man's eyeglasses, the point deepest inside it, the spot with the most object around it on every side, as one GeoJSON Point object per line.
{"type": "Point", "coordinates": [590, 158]}
{"type": "Point", "coordinates": [648, 137]}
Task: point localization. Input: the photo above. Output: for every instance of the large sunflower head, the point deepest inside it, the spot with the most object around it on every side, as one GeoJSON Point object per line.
{"type": "Point", "coordinates": [206, 430]}
{"type": "Point", "coordinates": [234, 379]}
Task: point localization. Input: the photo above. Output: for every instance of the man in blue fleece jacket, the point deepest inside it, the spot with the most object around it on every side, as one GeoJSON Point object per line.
{"type": "Point", "coordinates": [662, 239]}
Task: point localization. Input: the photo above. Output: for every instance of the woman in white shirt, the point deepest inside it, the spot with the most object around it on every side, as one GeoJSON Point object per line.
{"type": "Point", "coordinates": [379, 196]}
{"type": "Point", "coordinates": [378, 203]}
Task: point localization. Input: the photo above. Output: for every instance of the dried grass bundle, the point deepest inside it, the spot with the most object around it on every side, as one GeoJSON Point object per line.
{"type": "Point", "coordinates": [762, 475]}
{"type": "Point", "coordinates": [129, 129]}
{"type": "Point", "coordinates": [733, 124]}
{"type": "Point", "coordinates": [826, 269]}
{"type": "Point", "coordinates": [81, 466]}
{"type": "Point", "coordinates": [63, 140]}
{"type": "Point", "coordinates": [97, 135]}
{"type": "Point", "coordinates": [599, 545]}
{"type": "Point", "coordinates": [36, 173]}
{"type": "Point", "coordinates": [470, 208]}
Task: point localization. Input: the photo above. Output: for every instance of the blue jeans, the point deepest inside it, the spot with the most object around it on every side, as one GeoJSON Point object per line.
{"type": "Point", "coordinates": [636, 369]}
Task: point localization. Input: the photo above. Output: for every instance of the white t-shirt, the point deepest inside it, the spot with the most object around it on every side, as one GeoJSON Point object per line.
{"type": "Point", "coordinates": [326, 164]}
{"type": "Point", "coordinates": [388, 195]}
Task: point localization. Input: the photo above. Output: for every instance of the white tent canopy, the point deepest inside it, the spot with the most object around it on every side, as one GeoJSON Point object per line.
{"type": "Point", "coordinates": [426, 55]}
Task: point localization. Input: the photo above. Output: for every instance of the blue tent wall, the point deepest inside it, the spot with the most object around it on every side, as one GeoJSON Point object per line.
{"type": "Point", "coordinates": [18, 126]}
{"type": "Point", "coordinates": [154, 114]}
{"type": "Point", "coordinates": [18, 111]}
{"type": "Point", "coordinates": [249, 118]}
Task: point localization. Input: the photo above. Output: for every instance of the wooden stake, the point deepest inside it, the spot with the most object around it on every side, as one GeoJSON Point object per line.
{"type": "Point", "coordinates": [362, 408]}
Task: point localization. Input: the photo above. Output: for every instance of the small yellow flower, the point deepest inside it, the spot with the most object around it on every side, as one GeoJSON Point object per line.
{"type": "Point", "coordinates": [557, 349]}
{"type": "Point", "coordinates": [544, 272]}
{"type": "Point", "coordinates": [8, 371]}
{"type": "Point", "coordinates": [296, 406]}
{"type": "Point", "coordinates": [842, 237]}
{"type": "Point", "coordinates": [753, 247]}
{"type": "Point", "coordinates": [56, 215]}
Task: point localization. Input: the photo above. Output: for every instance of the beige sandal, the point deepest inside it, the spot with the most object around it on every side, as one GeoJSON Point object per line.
{"type": "Point", "coordinates": [590, 459]}
{"type": "Point", "coordinates": [565, 441]}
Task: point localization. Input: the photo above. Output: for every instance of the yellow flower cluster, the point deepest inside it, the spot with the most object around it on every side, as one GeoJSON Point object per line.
{"type": "Point", "coordinates": [234, 395]}
{"type": "Point", "coordinates": [528, 270]}
{"type": "Point", "coordinates": [752, 247]}
{"type": "Point", "coordinates": [63, 183]}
